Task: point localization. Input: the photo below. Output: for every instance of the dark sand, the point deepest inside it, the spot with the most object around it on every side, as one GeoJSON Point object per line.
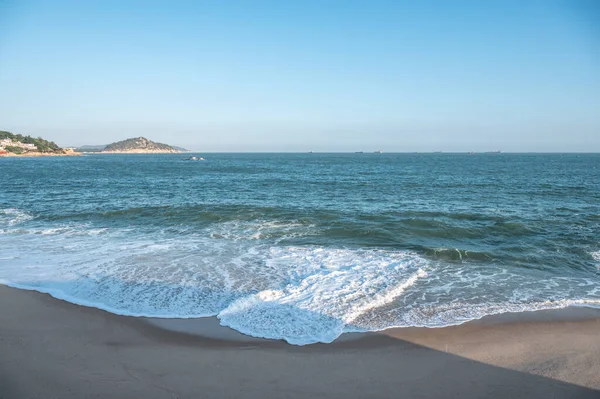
{"type": "Point", "coordinates": [53, 349]}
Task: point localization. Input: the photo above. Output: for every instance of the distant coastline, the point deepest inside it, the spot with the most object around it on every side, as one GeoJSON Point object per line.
{"type": "Point", "coordinates": [18, 145]}
{"type": "Point", "coordinates": [135, 145]}
{"type": "Point", "coordinates": [140, 151]}
{"type": "Point", "coordinates": [67, 153]}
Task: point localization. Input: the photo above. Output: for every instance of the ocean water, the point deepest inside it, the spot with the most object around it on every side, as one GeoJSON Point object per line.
{"type": "Point", "coordinates": [305, 247]}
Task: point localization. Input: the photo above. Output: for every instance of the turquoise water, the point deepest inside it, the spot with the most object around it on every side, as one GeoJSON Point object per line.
{"type": "Point", "coordinates": [304, 247]}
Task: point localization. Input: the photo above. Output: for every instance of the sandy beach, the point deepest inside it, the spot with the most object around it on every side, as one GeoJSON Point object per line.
{"type": "Point", "coordinates": [54, 349]}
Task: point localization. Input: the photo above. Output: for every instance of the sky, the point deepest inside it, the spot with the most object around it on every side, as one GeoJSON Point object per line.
{"type": "Point", "coordinates": [305, 75]}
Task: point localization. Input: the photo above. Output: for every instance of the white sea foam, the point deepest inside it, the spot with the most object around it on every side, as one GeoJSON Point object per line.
{"type": "Point", "coordinates": [327, 290]}
{"type": "Point", "coordinates": [260, 229]}
{"type": "Point", "coordinates": [596, 256]}
{"type": "Point", "coordinates": [13, 225]}
{"type": "Point", "coordinates": [71, 229]}
{"type": "Point", "coordinates": [12, 217]}
{"type": "Point", "coordinates": [459, 312]}
{"type": "Point", "coordinates": [262, 287]}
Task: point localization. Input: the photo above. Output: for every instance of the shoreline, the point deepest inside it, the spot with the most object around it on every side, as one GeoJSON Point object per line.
{"type": "Point", "coordinates": [134, 152]}
{"type": "Point", "coordinates": [40, 154]}
{"type": "Point", "coordinates": [54, 349]}
{"type": "Point", "coordinates": [209, 326]}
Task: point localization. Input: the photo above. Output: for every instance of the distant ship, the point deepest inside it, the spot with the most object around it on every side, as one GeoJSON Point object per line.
{"type": "Point", "coordinates": [378, 152]}
{"type": "Point", "coordinates": [494, 152]}
{"type": "Point", "coordinates": [359, 152]}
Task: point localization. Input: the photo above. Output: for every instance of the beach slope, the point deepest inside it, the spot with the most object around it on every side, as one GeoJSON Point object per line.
{"type": "Point", "coordinates": [53, 349]}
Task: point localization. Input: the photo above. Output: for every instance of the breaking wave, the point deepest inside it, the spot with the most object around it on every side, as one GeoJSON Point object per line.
{"type": "Point", "coordinates": [244, 273]}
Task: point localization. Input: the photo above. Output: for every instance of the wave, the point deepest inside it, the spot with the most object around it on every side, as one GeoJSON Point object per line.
{"type": "Point", "coordinates": [456, 254]}
{"type": "Point", "coordinates": [255, 278]}
{"type": "Point", "coordinates": [13, 216]}
{"type": "Point", "coordinates": [160, 214]}
{"type": "Point", "coordinates": [328, 291]}
{"type": "Point", "coordinates": [455, 215]}
{"type": "Point", "coordinates": [261, 230]}
{"type": "Point", "coordinates": [66, 230]}
{"type": "Point", "coordinates": [596, 257]}
{"type": "Point", "coordinates": [445, 315]}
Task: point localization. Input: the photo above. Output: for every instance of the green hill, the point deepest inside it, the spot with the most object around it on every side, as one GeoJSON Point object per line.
{"type": "Point", "coordinates": [41, 145]}
{"type": "Point", "coordinates": [140, 145]}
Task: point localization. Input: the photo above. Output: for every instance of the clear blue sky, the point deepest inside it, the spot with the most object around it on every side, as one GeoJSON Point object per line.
{"type": "Point", "coordinates": [305, 75]}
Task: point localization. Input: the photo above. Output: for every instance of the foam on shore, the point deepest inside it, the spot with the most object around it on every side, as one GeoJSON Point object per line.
{"type": "Point", "coordinates": [249, 276]}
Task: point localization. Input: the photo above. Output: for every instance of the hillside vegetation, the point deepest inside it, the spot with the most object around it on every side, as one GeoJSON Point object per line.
{"type": "Point", "coordinates": [138, 144]}
{"type": "Point", "coordinates": [40, 144]}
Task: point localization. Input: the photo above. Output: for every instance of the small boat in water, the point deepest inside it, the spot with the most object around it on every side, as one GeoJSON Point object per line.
{"type": "Point", "coordinates": [193, 159]}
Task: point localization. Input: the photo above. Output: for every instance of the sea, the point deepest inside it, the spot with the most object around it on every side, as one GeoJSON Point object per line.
{"type": "Point", "coordinates": [305, 247]}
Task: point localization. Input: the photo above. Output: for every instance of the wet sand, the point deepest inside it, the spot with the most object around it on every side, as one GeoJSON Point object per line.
{"type": "Point", "coordinates": [53, 349]}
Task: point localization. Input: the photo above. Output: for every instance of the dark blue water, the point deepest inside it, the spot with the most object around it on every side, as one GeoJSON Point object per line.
{"type": "Point", "coordinates": [306, 246]}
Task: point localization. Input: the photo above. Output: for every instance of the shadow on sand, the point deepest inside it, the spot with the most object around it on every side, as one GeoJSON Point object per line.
{"type": "Point", "coordinates": [54, 349]}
